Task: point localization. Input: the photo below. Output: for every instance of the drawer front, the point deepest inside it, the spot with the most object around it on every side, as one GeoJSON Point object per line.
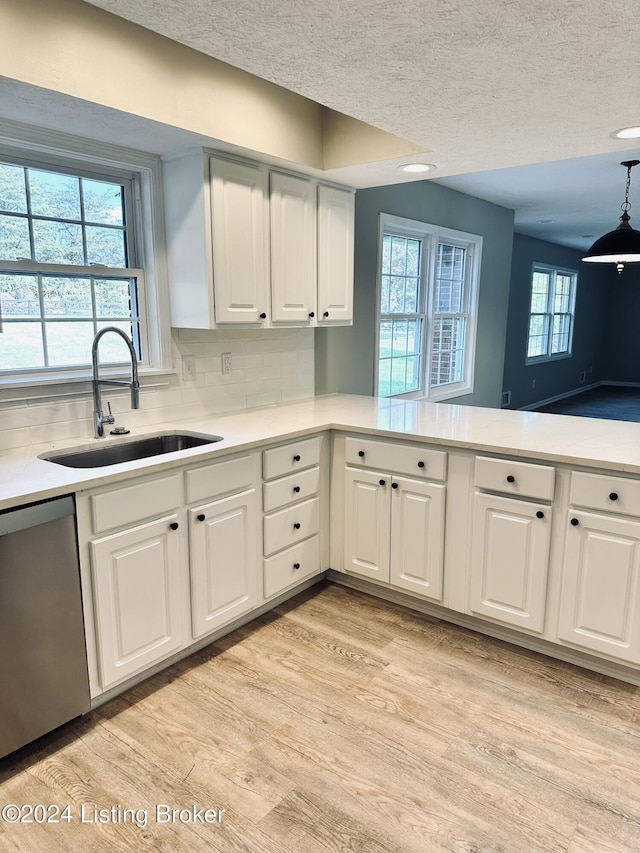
{"type": "Point", "coordinates": [520, 479]}
{"type": "Point", "coordinates": [291, 566]}
{"type": "Point", "coordinates": [295, 487]}
{"type": "Point", "coordinates": [285, 528]}
{"type": "Point", "coordinates": [290, 458]}
{"type": "Point", "coordinates": [611, 494]}
{"type": "Point", "coordinates": [220, 478]}
{"type": "Point", "coordinates": [135, 503]}
{"type": "Point", "coordinates": [397, 458]}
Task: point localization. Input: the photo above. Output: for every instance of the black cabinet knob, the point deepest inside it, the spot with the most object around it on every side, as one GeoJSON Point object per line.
{"type": "Point", "coordinates": [575, 522]}
{"type": "Point", "coordinates": [382, 482]}
{"type": "Point", "coordinates": [421, 464]}
{"type": "Point", "coordinates": [312, 314]}
{"type": "Point", "coordinates": [296, 458]}
{"type": "Point", "coordinates": [263, 316]}
{"type": "Point", "coordinates": [613, 496]}
{"type": "Point", "coordinates": [296, 525]}
{"type": "Point", "coordinates": [296, 566]}
{"type": "Point", "coordinates": [296, 489]}
{"type": "Point", "coordinates": [539, 514]}
{"type": "Point", "coordinates": [361, 453]}
{"type": "Point", "coordinates": [201, 516]}
{"type": "Point", "coordinates": [326, 314]}
{"type": "Point", "coordinates": [394, 485]}
{"type": "Point", "coordinates": [174, 525]}
{"type": "Point", "coordinates": [511, 478]}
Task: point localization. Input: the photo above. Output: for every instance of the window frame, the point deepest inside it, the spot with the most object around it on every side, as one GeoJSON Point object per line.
{"type": "Point", "coordinates": [555, 271]}
{"type": "Point", "coordinates": [431, 236]}
{"type": "Point", "coordinates": [58, 152]}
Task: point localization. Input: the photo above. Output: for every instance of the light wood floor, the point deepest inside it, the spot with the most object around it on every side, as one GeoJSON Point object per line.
{"type": "Point", "coordinates": [341, 723]}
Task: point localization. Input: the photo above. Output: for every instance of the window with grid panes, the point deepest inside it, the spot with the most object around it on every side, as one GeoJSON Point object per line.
{"type": "Point", "coordinates": [551, 313]}
{"type": "Point", "coordinates": [427, 300]}
{"type": "Point", "coordinates": [67, 268]}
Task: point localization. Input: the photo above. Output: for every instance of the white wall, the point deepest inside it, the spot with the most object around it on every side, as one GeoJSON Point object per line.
{"type": "Point", "coordinates": [268, 367]}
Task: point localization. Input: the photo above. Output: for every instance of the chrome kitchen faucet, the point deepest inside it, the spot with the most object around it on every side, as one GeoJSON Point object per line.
{"type": "Point", "coordinates": [99, 418]}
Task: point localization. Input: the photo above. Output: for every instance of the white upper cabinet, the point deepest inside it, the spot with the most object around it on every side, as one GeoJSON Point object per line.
{"type": "Point", "coordinates": [255, 248]}
{"type": "Point", "coordinates": [292, 208]}
{"type": "Point", "coordinates": [240, 242]}
{"type": "Point", "coordinates": [335, 255]}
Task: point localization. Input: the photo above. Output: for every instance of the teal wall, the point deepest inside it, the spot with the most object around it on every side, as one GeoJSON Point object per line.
{"type": "Point", "coordinates": [555, 378]}
{"type": "Point", "coordinates": [621, 345]}
{"type": "Point", "coordinates": [344, 357]}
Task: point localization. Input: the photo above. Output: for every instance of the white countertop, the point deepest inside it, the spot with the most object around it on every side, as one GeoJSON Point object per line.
{"type": "Point", "coordinates": [612, 445]}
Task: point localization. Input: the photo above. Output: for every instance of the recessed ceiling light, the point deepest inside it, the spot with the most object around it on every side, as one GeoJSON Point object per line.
{"type": "Point", "coordinates": [416, 167]}
{"type": "Point", "coordinates": [627, 133]}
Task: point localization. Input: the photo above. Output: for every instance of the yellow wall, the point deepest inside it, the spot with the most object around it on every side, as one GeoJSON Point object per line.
{"type": "Point", "coordinates": [74, 48]}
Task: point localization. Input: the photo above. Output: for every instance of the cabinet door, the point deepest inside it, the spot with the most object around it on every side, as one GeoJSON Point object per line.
{"type": "Point", "coordinates": [600, 596]}
{"type": "Point", "coordinates": [240, 248]}
{"type": "Point", "coordinates": [417, 537]}
{"type": "Point", "coordinates": [224, 561]}
{"type": "Point", "coordinates": [293, 249]}
{"type": "Point", "coordinates": [367, 524]}
{"type": "Point", "coordinates": [138, 597]}
{"type": "Point", "coordinates": [509, 560]}
{"type": "Point", "coordinates": [335, 255]}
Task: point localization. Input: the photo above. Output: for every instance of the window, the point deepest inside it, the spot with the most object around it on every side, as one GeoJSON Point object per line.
{"type": "Point", "coordinates": [427, 303]}
{"type": "Point", "coordinates": [553, 294]}
{"type": "Point", "coordinates": [67, 268]}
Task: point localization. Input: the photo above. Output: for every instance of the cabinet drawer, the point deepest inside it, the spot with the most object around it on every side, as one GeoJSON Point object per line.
{"type": "Point", "coordinates": [291, 566]}
{"type": "Point", "coordinates": [135, 503]}
{"type": "Point", "coordinates": [611, 494]}
{"type": "Point", "coordinates": [220, 478]}
{"type": "Point", "coordinates": [285, 528]}
{"type": "Point", "coordinates": [520, 479]}
{"type": "Point", "coordinates": [295, 487]}
{"type": "Point", "coordinates": [290, 458]}
{"type": "Point", "coordinates": [397, 458]}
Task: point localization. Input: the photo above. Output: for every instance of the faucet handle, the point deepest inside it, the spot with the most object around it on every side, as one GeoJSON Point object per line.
{"type": "Point", "coordinates": [110, 418]}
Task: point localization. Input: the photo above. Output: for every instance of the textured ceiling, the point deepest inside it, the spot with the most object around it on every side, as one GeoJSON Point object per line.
{"type": "Point", "coordinates": [483, 84]}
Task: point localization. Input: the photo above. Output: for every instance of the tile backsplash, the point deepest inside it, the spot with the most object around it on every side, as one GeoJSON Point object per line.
{"type": "Point", "coordinates": [268, 366]}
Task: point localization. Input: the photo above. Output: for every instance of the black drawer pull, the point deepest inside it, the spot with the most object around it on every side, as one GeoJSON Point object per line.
{"type": "Point", "coordinates": [382, 482]}
{"type": "Point", "coordinates": [575, 522]}
{"type": "Point", "coordinates": [174, 525]}
{"type": "Point", "coordinates": [296, 566]}
{"type": "Point", "coordinates": [361, 453]}
{"type": "Point", "coordinates": [511, 478]}
{"type": "Point", "coordinates": [296, 525]}
{"type": "Point", "coordinates": [296, 458]}
{"type": "Point", "coordinates": [394, 485]}
{"type": "Point", "coordinates": [326, 314]}
{"type": "Point", "coordinates": [202, 517]}
{"type": "Point", "coordinates": [539, 514]}
{"type": "Point", "coordinates": [263, 316]}
{"type": "Point", "coordinates": [312, 314]}
{"type": "Point", "coordinates": [613, 496]}
{"type": "Point", "coordinates": [421, 464]}
{"type": "Point", "coordinates": [296, 489]}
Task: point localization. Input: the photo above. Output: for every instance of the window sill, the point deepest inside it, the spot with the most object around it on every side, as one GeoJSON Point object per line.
{"type": "Point", "coordinates": [544, 359]}
{"type": "Point", "coordinates": [56, 386]}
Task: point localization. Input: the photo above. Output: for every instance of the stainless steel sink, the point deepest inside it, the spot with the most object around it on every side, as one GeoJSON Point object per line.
{"type": "Point", "coordinates": [130, 451]}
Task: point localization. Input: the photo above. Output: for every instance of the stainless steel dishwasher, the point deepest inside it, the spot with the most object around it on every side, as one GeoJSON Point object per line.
{"type": "Point", "coordinates": [43, 661]}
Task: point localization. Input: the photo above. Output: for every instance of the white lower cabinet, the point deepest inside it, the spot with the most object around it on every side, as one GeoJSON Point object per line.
{"type": "Point", "coordinates": [222, 542]}
{"type": "Point", "coordinates": [137, 577]}
{"type": "Point", "coordinates": [600, 595]}
{"type": "Point", "coordinates": [294, 508]}
{"type": "Point", "coordinates": [509, 560]}
{"type": "Point", "coordinates": [394, 531]}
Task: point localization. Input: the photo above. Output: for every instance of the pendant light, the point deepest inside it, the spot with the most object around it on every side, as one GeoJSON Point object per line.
{"type": "Point", "coordinates": [621, 246]}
